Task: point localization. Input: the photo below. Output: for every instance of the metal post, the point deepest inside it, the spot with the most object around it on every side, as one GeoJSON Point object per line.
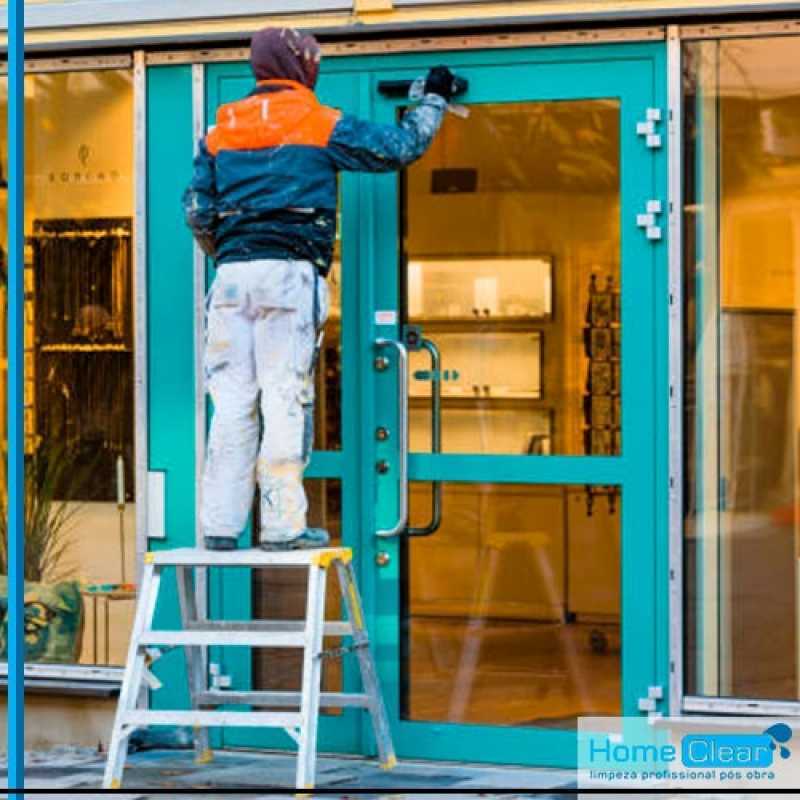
{"type": "Point", "coordinates": [675, 155]}
{"type": "Point", "coordinates": [16, 397]}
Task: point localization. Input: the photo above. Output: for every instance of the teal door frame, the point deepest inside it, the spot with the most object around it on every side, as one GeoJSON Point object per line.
{"type": "Point", "coordinates": [635, 73]}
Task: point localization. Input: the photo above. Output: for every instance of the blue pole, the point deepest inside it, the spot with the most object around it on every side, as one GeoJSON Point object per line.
{"type": "Point", "coordinates": [16, 397]}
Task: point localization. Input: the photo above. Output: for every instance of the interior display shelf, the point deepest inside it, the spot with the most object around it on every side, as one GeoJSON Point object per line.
{"type": "Point", "coordinates": [85, 348]}
{"type": "Point", "coordinates": [473, 400]}
{"type": "Point", "coordinates": [498, 323]}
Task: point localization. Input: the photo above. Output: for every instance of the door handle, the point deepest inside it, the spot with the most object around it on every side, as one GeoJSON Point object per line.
{"type": "Point", "coordinates": [402, 435]}
{"type": "Point", "coordinates": [401, 88]}
{"type": "Point", "coordinates": [436, 437]}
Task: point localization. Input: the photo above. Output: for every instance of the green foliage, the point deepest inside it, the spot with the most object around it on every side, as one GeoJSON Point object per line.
{"type": "Point", "coordinates": [51, 481]}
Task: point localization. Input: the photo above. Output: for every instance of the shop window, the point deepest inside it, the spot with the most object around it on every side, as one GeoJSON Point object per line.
{"type": "Point", "coordinates": [742, 353]}
{"type": "Point", "coordinates": [79, 351]}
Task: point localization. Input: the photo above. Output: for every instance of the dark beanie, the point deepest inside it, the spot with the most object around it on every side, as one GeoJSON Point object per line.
{"type": "Point", "coordinates": [284, 53]}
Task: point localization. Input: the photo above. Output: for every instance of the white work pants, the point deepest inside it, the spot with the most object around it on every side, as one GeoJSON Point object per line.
{"type": "Point", "coordinates": [260, 339]}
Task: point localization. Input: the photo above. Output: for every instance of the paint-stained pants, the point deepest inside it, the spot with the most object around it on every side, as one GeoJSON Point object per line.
{"type": "Point", "coordinates": [260, 340]}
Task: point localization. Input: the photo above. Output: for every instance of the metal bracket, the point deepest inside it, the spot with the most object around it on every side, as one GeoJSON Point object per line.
{"type": "Point", "coordinates": [648, 128]}
{"type": "Point", "coordinates": [649, 704]}
{"type": "Point", "coordinates": [218, 679]}
{"type": "Point", "coordinates": [649, 220]}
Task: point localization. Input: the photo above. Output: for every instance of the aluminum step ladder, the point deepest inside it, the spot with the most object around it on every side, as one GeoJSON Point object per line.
{"type": "Point", "coordinates": [300, 717]}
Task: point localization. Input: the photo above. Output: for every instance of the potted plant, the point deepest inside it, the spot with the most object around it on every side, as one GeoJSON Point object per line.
{"type": "Point", "coordinates": [54, 616]}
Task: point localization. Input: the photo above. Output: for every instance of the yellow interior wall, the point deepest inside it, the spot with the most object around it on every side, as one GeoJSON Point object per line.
{"type": "Point", "coordinates": [79, 164]}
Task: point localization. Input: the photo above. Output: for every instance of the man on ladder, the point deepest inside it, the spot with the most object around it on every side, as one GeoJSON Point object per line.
{"type": "Point", "coordinates": [262, 203]}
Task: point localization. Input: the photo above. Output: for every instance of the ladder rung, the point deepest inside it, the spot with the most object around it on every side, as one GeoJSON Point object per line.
{"type": "Point", "coordinates": [327, 699]}
{"type": "Point", "coordinates": [224, 637]}
{"type": "Point", "coordinates": [207, 719]}
{"type": "Point", "coordinates": [332, 628]}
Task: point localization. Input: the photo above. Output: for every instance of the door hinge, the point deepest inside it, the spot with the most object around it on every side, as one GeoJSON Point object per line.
{"type": "Point", "coordinates": [649, 704]}
{"type": "Point", "coordinates": [648, 128]}
{"type": "Point", "coordinates": [648, 221]}
{"type": "Point", "coordinates": [218, 679]}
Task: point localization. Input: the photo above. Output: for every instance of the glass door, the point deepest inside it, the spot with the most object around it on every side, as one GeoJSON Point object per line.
{"type": "Point", "coordinates": [510, 445]}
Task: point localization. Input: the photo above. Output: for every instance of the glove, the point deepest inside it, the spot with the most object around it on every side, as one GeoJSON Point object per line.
{"type": "Point", "coordinates": [442, 82]}
{"type": "Point", "coordinates": [206, 241]}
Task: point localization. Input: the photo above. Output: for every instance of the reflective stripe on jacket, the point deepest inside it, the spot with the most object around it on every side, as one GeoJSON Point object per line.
{"type": "Point", "coordinates": [264, 183]}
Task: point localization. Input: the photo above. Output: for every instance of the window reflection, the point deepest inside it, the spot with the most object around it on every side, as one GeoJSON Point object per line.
{"type": "Point", "coordinates": [511, 253]}
{"type": "Point", "coordinates": [741, 283]}
{"type": "Point", "coordinates": [511, 609]}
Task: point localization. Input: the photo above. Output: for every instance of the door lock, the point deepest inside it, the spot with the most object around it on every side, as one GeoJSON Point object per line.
{"type": "Point", "coordinates": [381, 363]}
{"type": "Point", "coordinates": [381, 434]}
{"type": "Point", "coordinates": [382, 466]}
{"type": "Point", "coordinates": [382, 559]}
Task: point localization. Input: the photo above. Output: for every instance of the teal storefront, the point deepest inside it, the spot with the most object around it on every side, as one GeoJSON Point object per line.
{"type": "Point", "coordinates": [580, 496]}
{"type": "Point", "coordinates": [528, 253]}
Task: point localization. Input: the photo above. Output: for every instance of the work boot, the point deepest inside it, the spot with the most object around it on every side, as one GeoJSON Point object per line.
{"type": "Point", "coordinates": [220, 543]}
{"type": "Point", "coordinates": [309, 539]}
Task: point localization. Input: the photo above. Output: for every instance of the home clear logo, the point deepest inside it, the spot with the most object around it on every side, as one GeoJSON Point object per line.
{"type": "Point", "coordinates": [748, 751]}
{"type": "Point", "coordinates": [674, 753]}
{"type": "Point", "coordinates": [707, 750]}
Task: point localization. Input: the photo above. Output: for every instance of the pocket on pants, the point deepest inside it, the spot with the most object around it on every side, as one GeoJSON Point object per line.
{"type": "Point", "coordinates": [223, 300]}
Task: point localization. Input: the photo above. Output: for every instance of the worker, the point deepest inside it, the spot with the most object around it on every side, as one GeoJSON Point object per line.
{"type": "Point", "coordinates": [262, 203]}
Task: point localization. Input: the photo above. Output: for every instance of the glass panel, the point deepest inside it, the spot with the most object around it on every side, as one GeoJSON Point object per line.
{"type": "Point", "coordinates": [511, 610]}
{"type": "Point", "coordinates": [328, 378]}
{"type": "Point", "coordinates": [79, 363]}
{"type": "Point", "coordinates": [511, 265]}
{"type": "Point", "coordinates": [280, 593]}
{"type": "Point", "coordinates": [742, 176]}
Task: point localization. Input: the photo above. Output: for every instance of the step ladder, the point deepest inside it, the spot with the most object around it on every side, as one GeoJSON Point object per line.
{"type": "Point", "coordinates": [300, 717]}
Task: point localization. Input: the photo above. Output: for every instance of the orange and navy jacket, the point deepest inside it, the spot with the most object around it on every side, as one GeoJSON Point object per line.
{"type": "Point", "coordinates": [264, 183]}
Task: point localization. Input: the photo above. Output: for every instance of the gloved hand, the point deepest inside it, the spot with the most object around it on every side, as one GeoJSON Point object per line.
{"type": "Point", "coordinates": [442, 82]}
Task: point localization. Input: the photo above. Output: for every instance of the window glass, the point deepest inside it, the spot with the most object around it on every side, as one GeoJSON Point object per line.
{"type": "Point", "coordinates": [511, 611]}
{"type": "Point", "coordinates": [742, 265]}
{"type": "Point", "coordinates": [511, 269]}
{"type": "Point", "coordinates": [79, 351]}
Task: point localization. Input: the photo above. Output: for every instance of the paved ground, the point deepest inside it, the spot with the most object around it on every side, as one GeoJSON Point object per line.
{"type": "Point", "coordinates": [158, 773]}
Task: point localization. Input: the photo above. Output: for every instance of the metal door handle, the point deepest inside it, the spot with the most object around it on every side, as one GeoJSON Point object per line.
{"type": "Point", "coordinates": [436, 437]}
{"type": "Point", "coordinates": [402, 434]}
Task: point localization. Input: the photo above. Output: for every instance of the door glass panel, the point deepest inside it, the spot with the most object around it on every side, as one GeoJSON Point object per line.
{"type": "Point", "coordinates": [741, 523]}
{"type": "Point", "coordinates": [280, 593]}
{"type": "Point", "coordinates": [511, 610]}
{"type": "Point", "coordinates": [511, 265]}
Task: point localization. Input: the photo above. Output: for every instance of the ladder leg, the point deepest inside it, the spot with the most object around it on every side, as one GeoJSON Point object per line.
{"type": "Point", "coordinates": [194, 659]}
{"type": "Point", "coordinates": [366, 662]}
{"type": "Point", "coordinates": [132, 678]}
{"type": "Point", "coordinates": [312, 670]}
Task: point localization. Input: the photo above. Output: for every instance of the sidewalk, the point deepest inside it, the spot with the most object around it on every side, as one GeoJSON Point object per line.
{"type": "Point", "coordinates": [168, 770]}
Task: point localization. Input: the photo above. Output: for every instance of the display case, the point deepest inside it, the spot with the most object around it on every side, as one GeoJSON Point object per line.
{"type": "Point", "coordinates": [487, 317]}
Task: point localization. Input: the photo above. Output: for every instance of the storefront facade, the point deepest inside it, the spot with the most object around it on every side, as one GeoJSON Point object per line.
{"type": "Point", "coordinates": [594, 274]}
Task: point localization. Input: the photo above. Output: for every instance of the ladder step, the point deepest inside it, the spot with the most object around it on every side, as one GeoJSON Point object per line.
{"type": "Point", "coordinates": [252, 557]}
{"type": "Point", "coordinates": [331, 628]}
{"type": "Point", "coordinates": [327, 699]}
{"type": "Point", "coordinates": [209, 719]}
{"type": "Point", "coordinates": [224, 637]}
